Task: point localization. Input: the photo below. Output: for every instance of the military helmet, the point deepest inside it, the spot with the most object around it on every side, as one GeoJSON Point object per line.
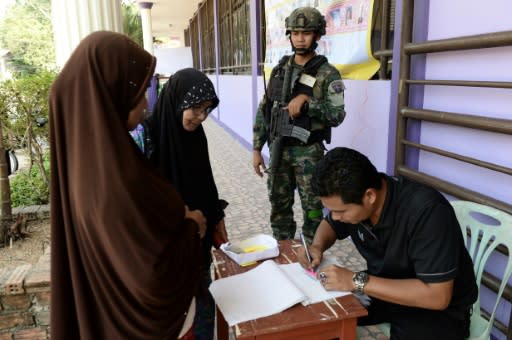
{"type": "Point", "coordinates": [305, 19]}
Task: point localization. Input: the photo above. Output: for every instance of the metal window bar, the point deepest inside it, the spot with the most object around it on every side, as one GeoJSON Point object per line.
{"type": "Point", "coordinates": [242, 34]}
{"type": "Point", "coordinates": [194, 43]}
{"type": "Point", "coordinates": [201, 13]}
{"type": "Point", "coordinates": [235, 36]}
{"type": "Point", "coordinates": [225, 33]}
{"type": "Point", "coordinates": [207, 34]}
{"type": "Point", "coordinates": [408, 48]}
{"type": "Point", "coordinates": [263, 35]}
{"type": "Point", "coordinates": [492, 84]}
{"type": "Point", "coordinates": [384, 28]}
{"type": "Point", "coordinates": [469, 121]}
{"type": "Point", "coordinates": [187, 37]}
{"type": "Point", "coordinates": [384, 12]}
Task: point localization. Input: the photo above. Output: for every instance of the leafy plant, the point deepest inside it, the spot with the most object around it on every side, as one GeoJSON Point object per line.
{"type": "Point", "coordinates": [26, 32]}
{"type": "Point", "coordinates": [29, 188]}
{"type": "Point", "coordinates": [132, 23]}
{"type": "Point", "coordinates": [23, 116]}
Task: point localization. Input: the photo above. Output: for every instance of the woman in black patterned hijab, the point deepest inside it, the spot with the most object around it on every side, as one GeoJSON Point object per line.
{"type": "Point", "coordinates": [179, 149]}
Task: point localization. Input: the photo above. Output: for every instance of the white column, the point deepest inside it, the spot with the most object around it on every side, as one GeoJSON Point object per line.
{"type": "Point", "coordinates": [147, 29]}
{"type": "Point", "coordinates": [74, 19]}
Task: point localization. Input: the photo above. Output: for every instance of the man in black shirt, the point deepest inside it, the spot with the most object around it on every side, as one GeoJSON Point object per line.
{"type": "Point", "coordinates": [420, 276]}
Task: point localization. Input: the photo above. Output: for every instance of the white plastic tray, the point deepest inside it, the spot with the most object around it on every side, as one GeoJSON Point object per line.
{"type": "Point", "coordinates": [248, 251]}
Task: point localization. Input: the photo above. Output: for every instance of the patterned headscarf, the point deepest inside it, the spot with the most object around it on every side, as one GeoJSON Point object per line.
{"type": "Point", "coordinates": [182, 156]}
{"type": "Point", "coordinates": [199, 93]}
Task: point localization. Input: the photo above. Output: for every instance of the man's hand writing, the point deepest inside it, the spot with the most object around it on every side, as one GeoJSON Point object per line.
{"type": "Point", "coordinates": [316, 257]}
{"type": "Point", "coordinates": [336, 278]}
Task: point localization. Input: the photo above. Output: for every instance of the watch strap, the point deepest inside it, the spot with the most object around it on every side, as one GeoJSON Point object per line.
{"type": "Point", "coordinates": [360, 280]}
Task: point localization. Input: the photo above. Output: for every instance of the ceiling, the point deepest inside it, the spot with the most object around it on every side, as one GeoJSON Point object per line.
{"type": "Point", "coordinates": [170, 18]}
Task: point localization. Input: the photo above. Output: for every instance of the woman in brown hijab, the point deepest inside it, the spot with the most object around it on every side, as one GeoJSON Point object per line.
{"type": "Point", "coordinates": [125, 249]}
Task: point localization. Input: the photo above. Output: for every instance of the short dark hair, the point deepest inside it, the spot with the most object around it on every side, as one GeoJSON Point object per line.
{"type": "Point", "coordinates": [347, 173]}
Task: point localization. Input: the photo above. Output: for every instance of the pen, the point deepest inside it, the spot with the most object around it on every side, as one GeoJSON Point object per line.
{"type": "Point", "coordinates": [303, 240]}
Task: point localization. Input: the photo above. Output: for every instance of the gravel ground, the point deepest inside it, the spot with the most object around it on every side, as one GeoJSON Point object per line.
{"type": "Point", "coordinates": [29, 249]}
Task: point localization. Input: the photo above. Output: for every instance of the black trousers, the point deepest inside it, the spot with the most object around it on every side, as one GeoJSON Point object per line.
{"type": "Point", "coordinates": [409, 323]}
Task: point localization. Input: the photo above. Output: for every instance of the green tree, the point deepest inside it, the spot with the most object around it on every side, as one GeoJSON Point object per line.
{"type": "Point", "coordinates": [132, 24]}
{"type": "Point", "coordinates": [25, 114]}
{"type": "Point", "coordinates": [26, 31]}
{"type": "Point", "coordinates": [23, 117]}
{"type": "Point", "coordinates": [5, 191]}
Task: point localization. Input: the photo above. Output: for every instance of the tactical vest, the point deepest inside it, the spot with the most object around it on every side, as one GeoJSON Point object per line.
{"type": "Point", "coordinates": [274, 92]}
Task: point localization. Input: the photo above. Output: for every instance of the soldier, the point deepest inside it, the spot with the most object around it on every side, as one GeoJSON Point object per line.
{"type": "Point", "coordinates": [311, 91]}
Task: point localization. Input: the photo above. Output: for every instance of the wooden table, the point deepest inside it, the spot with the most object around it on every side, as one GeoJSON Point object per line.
{"type": "Point", "coordinates": [331, 319]}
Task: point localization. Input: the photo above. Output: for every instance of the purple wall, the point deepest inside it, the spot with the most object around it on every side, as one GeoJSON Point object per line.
{"type": "Point", "coordinates": [472, 17]}
{"type": "Point", "coordinates": [485, 64]}
{"type": "Point", "coordinates": [365, 127]}
{"type": "Point", "coordinates": [371, 105]}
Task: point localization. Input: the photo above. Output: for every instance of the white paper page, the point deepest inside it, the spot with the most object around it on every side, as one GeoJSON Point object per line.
{"type": "Point", "coordinates": [311, 287]}
{"type": "Point", "coordinates": [262, 291]}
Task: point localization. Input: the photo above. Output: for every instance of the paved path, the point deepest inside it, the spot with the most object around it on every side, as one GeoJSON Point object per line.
{"type": "Point", "coordinates": [248, 210]}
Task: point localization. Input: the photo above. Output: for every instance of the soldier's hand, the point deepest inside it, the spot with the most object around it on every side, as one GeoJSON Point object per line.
{"type": "Point", "coordinates": [258, 163]}
{"type": "Point", "coordinates": [295, 105]}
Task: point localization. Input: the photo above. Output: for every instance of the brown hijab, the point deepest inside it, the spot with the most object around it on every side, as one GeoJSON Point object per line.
{"type": "Point", "coordinates": [125, 261]}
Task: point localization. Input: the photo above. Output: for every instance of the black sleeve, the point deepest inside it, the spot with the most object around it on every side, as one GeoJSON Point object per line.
{"type": "Point", "coordinates": [149, 145]}
{"type": "Point", "coordinates": [222, 204]}
{"type": "Point", "coordinates": [434, 245]}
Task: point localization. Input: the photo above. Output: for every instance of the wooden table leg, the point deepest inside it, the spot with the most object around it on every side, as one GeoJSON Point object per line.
{"type": "Point", "coordinates": [349, 329]}
{"type": "Point", "coordinates": [222, 327]}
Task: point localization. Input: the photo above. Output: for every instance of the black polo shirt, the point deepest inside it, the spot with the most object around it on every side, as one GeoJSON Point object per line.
{"type": "Point", "coordinates": [417, 236]}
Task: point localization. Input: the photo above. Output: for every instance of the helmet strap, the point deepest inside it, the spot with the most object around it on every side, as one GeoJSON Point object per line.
{"type": "Point", "coordinates": [302, 51]}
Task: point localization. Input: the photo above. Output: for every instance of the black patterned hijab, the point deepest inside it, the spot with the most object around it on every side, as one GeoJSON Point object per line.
{"type": "Point", "coordinates": [180, 155]}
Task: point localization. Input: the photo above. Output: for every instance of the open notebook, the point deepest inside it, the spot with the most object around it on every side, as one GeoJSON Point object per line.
{"type": "Point", "coordinates": [268, 289]}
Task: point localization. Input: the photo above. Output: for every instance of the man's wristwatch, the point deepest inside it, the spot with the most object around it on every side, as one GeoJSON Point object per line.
{"type": "Point", "coordinates": [360, 280]}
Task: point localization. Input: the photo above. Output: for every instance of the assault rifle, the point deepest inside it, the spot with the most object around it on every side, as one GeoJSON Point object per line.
{"type": "Point", "coordinates": [280, 125]}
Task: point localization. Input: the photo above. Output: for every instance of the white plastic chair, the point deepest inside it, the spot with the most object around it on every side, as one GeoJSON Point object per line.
{"type": "Point", "coordinates": [483, 240]}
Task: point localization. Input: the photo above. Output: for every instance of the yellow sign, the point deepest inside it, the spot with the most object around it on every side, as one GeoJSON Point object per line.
{"type": "Point", "coordinates": [346, 44]}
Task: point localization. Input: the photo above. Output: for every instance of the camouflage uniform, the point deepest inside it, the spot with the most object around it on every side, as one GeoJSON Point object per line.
{"type": "Point", "coordinates": [326, 110]}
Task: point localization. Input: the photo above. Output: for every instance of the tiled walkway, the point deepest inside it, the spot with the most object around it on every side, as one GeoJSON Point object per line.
{"type": "Point", "coordinates": [248, 210]}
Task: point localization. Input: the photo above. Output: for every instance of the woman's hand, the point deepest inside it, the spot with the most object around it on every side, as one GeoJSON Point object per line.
{"type": "Point", "coordinates": [198, 217]}
{"type": "Point", "coordinates": [220, 228]}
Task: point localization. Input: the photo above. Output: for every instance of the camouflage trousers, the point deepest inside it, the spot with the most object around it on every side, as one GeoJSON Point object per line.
{"type": "Point", "coordinates": [294, 172]}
